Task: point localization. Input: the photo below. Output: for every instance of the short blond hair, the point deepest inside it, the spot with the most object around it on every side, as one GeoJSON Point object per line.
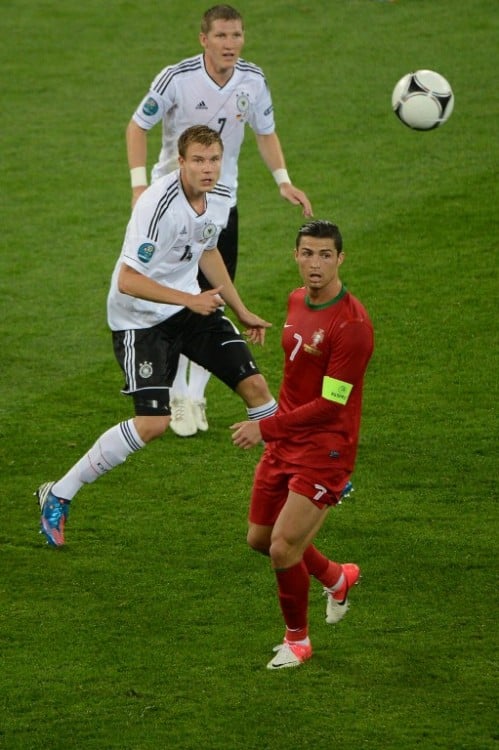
{"type": "Point", "coordinates": [219, 13]}
{"type": "Point", "coordinates": [198, 134]}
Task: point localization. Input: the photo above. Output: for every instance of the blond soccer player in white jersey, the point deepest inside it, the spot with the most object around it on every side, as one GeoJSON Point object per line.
{"type": "Point", "coordinates": [157, 311]}
{"type": "Point", "coordinates": [219, 89]}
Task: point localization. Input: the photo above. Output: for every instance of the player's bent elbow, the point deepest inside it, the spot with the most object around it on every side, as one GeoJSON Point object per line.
{"type": "Point", "coordinates": [125, 277]}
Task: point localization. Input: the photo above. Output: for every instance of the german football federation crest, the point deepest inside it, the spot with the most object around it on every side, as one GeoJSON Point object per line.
{"type": "Point", "coordinates": [242, 104]}
{"type": "Point", "coordinates": [317, 339]}
{"type": "Point", "coordinates": [145, 370]}
{"type": "Point", "coordinates": [209, 230]}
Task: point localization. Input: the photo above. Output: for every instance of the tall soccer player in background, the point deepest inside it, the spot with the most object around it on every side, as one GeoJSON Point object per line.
{"type": "Point", "coordinates": [219, 89]}
{"type": "Point", "coordinates": [311, 441]}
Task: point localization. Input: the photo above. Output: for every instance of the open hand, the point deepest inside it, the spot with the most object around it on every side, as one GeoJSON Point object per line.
{"type": "Point", "coordinates": [296, 197]}
{"type": "Point", "coordinates": [254, 327]}
{"type": "Point", "coordinates": [246, 434]}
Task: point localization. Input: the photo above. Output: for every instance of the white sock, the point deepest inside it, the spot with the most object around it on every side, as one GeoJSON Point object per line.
{"type": "Point", "coordinates": [110, 450]}
{"type": "Point", "coordinates": [265, 410]}
{"type": "Point", "coordinates": [180, 388]}
{"type": "Point", "coordinates": [198, 380]}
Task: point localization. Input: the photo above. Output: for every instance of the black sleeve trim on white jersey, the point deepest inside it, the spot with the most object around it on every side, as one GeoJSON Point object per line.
{"type": "Point", "coordinates": [223, 190]}
{"type": "Point", "coordinates": [161, 208]}
{"type": "Point", "coordinates": [247, 67]}
{"type": "Point", "coordinates": [186, 66]}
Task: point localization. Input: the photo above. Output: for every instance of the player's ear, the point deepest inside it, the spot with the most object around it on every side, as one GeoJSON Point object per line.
{"type": "Point", "coordinates": [341, 258]}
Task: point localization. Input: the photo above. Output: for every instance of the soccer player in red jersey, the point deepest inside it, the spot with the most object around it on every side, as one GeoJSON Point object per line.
{"type": "Point", "coordinates": [311, 441]}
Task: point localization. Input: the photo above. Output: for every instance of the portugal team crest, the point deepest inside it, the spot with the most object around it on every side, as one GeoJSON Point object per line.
{"type": "Point", "coordinates": [317, 339]}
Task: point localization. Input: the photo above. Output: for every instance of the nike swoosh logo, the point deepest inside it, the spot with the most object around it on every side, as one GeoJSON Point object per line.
{"type": "Point", "coordinates": [288, 325]}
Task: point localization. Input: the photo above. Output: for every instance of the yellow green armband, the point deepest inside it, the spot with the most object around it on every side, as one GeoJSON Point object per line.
{"type": "Point", "coordinates": [336, 390]}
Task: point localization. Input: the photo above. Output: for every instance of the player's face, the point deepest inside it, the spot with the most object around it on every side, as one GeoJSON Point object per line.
{"type": "Point", "coordinates": [201, 167]}
{"type": "Point", "coordinates": [318, 262]}
{"type": "Point", "coordinates": [222, 45]}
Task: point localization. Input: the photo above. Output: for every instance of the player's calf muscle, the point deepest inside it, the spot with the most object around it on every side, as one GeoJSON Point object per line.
{"type": "Point", "coordinates": [254, 390]}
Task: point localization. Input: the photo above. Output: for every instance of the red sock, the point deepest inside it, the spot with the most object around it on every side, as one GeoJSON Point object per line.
{"type": "Point", "coordinates": [326, 571]}
{"type": "Point", "coordinates": [293, 585]}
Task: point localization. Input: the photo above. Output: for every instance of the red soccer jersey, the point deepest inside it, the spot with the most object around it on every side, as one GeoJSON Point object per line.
{"type": "Point", "coordinates": [327, 349]}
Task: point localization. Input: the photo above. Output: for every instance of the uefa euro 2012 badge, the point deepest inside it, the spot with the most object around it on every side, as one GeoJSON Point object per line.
{"type": "Point", "coordinates": [150, 106]}
{"type": "Point", "coordinates": [145, 252]}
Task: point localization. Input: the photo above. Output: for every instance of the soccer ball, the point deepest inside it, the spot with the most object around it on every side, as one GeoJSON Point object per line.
{"type": "Point", "coordinates": [423, 100]}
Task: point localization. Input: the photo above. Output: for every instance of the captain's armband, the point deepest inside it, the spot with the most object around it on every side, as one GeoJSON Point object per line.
{"type": "Point", "coordinates": [336, 390]}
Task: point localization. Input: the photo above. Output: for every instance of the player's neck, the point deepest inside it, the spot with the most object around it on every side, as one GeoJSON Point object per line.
{"type": "Point", "coordinates": [220, 75]}
{"type": "Point", "coordinates": [195, 198]}
{"type": "Point", "coordinates": [197, 201]}
{"type": "Point", "coordinates": [326, 294]}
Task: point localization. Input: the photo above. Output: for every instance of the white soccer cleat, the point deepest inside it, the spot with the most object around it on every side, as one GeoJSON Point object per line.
{"type": "Point", "coordinates": [182, 422]}
{"type": "Point", "coordinates": [199, 414]}
{"type": "Point", "coordinates": [290, 655]}
{"type": "Point", "coordinates": [337, 601]}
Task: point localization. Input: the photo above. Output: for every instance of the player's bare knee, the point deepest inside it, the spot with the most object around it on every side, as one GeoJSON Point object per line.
{"type": "Point", "coordinates": [283, 554]}
{"type": "Point", "coordinates": [258, 538]}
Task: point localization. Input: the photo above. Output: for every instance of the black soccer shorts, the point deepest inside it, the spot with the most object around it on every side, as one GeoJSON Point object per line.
{"type": "Point", "coordinates": [149, 356]}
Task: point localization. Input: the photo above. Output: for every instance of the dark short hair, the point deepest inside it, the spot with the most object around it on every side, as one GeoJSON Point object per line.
{"type": "Point", "coordinates": [322, 229]}
{"type": "Point", "coordinates": [219, 13]}
{"type": "Point", "coordinates": [198, 134]}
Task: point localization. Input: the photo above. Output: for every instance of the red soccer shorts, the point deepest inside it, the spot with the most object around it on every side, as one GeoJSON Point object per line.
{"type": "Point", "coordinates": [274, 479]}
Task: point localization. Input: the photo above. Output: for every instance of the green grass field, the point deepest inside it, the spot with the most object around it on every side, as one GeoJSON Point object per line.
{"type": "Point", "coordinates": [152, 628]}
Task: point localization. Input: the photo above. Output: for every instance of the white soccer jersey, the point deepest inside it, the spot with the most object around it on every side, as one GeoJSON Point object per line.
{"type": "Point", "coordinates": [184, 94]}
{"type": "Point", "coordinates": [164, 240]}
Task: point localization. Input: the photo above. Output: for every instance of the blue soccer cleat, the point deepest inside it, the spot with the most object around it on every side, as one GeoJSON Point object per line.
{"type": "Point", "coordinates": [54, 514]}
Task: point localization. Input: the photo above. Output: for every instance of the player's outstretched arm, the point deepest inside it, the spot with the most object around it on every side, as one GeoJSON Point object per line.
{"type": "Point", "coordinates": [213, 267]}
